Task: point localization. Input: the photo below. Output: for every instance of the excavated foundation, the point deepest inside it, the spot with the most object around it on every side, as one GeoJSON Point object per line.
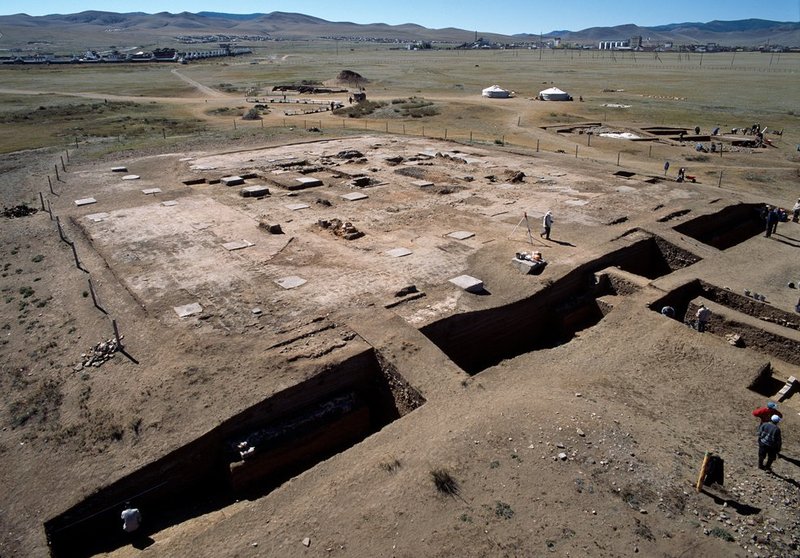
{"type": "Point", "coordinates": [726, 228]}
{"type": "Point", "coordinates": [246, 456]}
{"type": "Point", "coordinates": [478, 340]}
{"type": "Point", "coordinates": [746, 318]}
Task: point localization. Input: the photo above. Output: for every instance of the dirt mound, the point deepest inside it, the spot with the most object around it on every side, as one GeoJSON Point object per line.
{"type": "Point", "coordinates": [351, 78]}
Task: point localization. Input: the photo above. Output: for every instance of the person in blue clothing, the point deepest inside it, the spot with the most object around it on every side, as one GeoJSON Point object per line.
{"type": "Point", "coordinates": [769, 442]}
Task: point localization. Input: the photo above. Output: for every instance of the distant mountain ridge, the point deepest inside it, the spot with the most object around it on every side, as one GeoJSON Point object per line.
{"type": "Point", "coordinates": [24, 29]}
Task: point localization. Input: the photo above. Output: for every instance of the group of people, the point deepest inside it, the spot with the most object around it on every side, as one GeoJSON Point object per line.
{"type": "Point", "coordinates": [769, 434]}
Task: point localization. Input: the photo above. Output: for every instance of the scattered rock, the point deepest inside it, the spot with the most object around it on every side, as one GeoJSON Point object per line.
{"type": "Point", "coordinates": [306, 542]}
{"type": "Point", "coordinates": [562, 456]}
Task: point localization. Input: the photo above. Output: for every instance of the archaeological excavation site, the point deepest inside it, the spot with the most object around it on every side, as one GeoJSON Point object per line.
{"type": "Point", "coordinates": [367, 346]}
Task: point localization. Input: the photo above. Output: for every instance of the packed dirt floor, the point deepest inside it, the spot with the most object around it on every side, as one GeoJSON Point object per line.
{"type": "Point", "coordinates": [390, 411]}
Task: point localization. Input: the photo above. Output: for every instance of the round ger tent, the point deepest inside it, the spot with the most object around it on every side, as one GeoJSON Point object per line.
{"type": "Point", "coordinates": [554, 94]}
{"type": "Point", "coordinates": [496, 92]}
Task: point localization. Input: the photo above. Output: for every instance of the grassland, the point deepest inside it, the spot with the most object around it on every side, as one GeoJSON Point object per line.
{"type": "Point", "coordinates": [726, 90]}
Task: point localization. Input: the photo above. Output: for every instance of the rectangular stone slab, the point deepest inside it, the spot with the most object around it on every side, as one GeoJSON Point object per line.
{"type": "Point", "coordinates": [254, 191]}
{"type": "Point", "coordinates": [232, 180]}
{"type": "Point", "coordinates": [309, 181]}
{"type": "Point", "coordinates": [149, 191]}
{"type": "Point", "coordinates": [461, 235]}
{"type": "Point", "coordinates": [354, 196]}
{"type": "Point", "coordinates": [169, 203]}
{"type": "Point", "coordinates": [290, 282]}
{"type": "Point", "coordinates": [97, 217]}
{"type": "Point", "coordinates": [188, 309]}
{"type": "Point", "coordinates": [297, 206]}
{"type": "Point", "coordinates": [85, 201]}
{"type": "Point", "coordinates": [119, 169]}
{"type": "Point", "coordinates": [468, 283]}
{"type": "Point", "coordinates": [398, 252]}
{"type": "Point", "coordinates": [422, 183]}
{"type": "Point", "coordinates": [237, 245]}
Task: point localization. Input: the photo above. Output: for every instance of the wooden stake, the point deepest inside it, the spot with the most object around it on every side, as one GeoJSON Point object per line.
{"type": "Point", "coordinates": [618, 155]}
{"type": "Point", "coordinates": [57, 177]}
{"type": "Point", "coordinates": [49, 210]}
{"type": "Point", "coordinates": [703, 471]}
{"type": "Point", "coordinates": [62, 164]}
{"type": "Point", "coordinates": [576, 151]}
{"type": "Point", "coordinates": [41, 198]}
{"type": "Point", "coordinates": [50, 183]}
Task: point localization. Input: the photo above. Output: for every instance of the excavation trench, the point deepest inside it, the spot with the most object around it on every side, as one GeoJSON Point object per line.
{"type": "Point", "coordinates": [746, 319]}
{"type": "Point", "coordinates": [478, 340]}
{"type": "Point", "coordinates": [245, 457]}
{"type": "Point", "coordinates": [726, 228]}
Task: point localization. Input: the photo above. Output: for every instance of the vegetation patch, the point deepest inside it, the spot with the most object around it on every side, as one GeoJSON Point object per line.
{"type": "Point", "coordinates": [445, 483]}
{"type": "Point", "coordinates": [39, 405]}
{"type": "Point", "coordinates": [359, 110]}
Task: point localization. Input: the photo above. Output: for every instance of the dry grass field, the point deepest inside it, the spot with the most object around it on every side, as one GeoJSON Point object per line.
{"type": "Point", "coordinates": [558, 413]}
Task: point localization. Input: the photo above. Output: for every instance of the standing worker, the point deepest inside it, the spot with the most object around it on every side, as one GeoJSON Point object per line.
{"type": "Point", "coordinates": [769, 442]}
{"type": "Point", "coordinates": [796, 211]}
{"type": "Point", "coordinates": [703, 316]}
{"type": "Point", "coordinates": [764, 414]}
{"type": "Point", "coordinates": [547, 223]}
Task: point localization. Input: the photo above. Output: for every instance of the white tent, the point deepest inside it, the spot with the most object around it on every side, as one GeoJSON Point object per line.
{"type": "Point", "coordinates": [554, 94]}
{"type": "Point", "coordinates": [496, 92]}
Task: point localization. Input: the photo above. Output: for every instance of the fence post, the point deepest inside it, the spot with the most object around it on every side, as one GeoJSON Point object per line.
{"type": "Point", "coordinates": [57, 177]}
{"type": "Point", "coordinates": [50, 183]}
{"type": "Point", "coordinates": [116, 334]}
{"type": "Point", "coordinates": [41, 198]}
{"type": "Point", "coordinates": [50, 210]}
{"type": "Point", "coordinates": [62, 164]}
{"type": "Point", "coordinates": [60, 230]}
{"type": "Point", "coordinates": [537, 146]}
{"type": "Point", "coordinates": [576, 151]}
{"type": "Point", "coordinates": [94, 297]}
{"type": "Point", "coordinates": [75, 254]}
{"type": "Point", "coordinates": [618, 156]}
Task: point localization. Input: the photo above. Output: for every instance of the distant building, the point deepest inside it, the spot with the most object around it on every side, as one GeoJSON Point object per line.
{"type": "Point", "coordinates": [634, 43]}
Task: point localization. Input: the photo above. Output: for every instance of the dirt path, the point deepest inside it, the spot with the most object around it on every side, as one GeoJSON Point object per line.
{"type": "Point", "coordinates": [205, 90]}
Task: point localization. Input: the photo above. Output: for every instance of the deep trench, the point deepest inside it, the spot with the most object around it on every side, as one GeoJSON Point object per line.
{"type": "Point", "coordinates": [290, 432]}
{"type": "Point", "coordinates": [728, 227]}
{"type": "Point", "coordinates": [551, 317]}
{"type": "Point", "coordinates": [759, 339]}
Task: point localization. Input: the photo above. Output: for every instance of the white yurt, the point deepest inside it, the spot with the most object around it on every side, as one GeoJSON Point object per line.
{"type": "Point", "coordinates": [496, 92]}
{"type": "Point", "coordinates": [554, 94]}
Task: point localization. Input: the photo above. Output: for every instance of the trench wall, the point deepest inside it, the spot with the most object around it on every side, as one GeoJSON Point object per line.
{"type": "Point", "coordinates": [480, 339]}
{"type": "Point", "coordinates": [195, 478]}
{"type": "Point", "coordinates": [726, 228]}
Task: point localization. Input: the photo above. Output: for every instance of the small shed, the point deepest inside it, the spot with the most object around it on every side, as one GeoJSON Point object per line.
{"type": "Point", "coordinates": [554, 94]}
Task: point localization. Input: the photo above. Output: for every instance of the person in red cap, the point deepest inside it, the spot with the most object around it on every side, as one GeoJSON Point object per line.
{"type": "Point", "coordinates": [764, 414]}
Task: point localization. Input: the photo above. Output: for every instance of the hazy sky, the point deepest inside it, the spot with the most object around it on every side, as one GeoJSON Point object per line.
{"type": "Point", "coordinates": [507, 17]}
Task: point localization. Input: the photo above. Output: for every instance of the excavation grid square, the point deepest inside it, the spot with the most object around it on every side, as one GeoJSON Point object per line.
{"type": "Point", "coordinates": [188, 310]}
{"type": "Point", "coordinates": [468, 283]}
{"type": "Point", "coordinates": [461, 235]}
{"type": "Point", "coordinates": [399, 252]}
{"type": "Point", "coordinates": [354, 196]}
{"type": "Point", "coordinates": [237, 245]}
{"type": "Point", "coordinates": [290, 282]}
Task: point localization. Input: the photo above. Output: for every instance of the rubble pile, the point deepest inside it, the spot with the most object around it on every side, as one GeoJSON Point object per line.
{"type": "Point", "coordinates": [344, 229]}
{"type": "Point", "coordinates": [98, 354]}
{"type": "Point", "coordinates": [21, 210]}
